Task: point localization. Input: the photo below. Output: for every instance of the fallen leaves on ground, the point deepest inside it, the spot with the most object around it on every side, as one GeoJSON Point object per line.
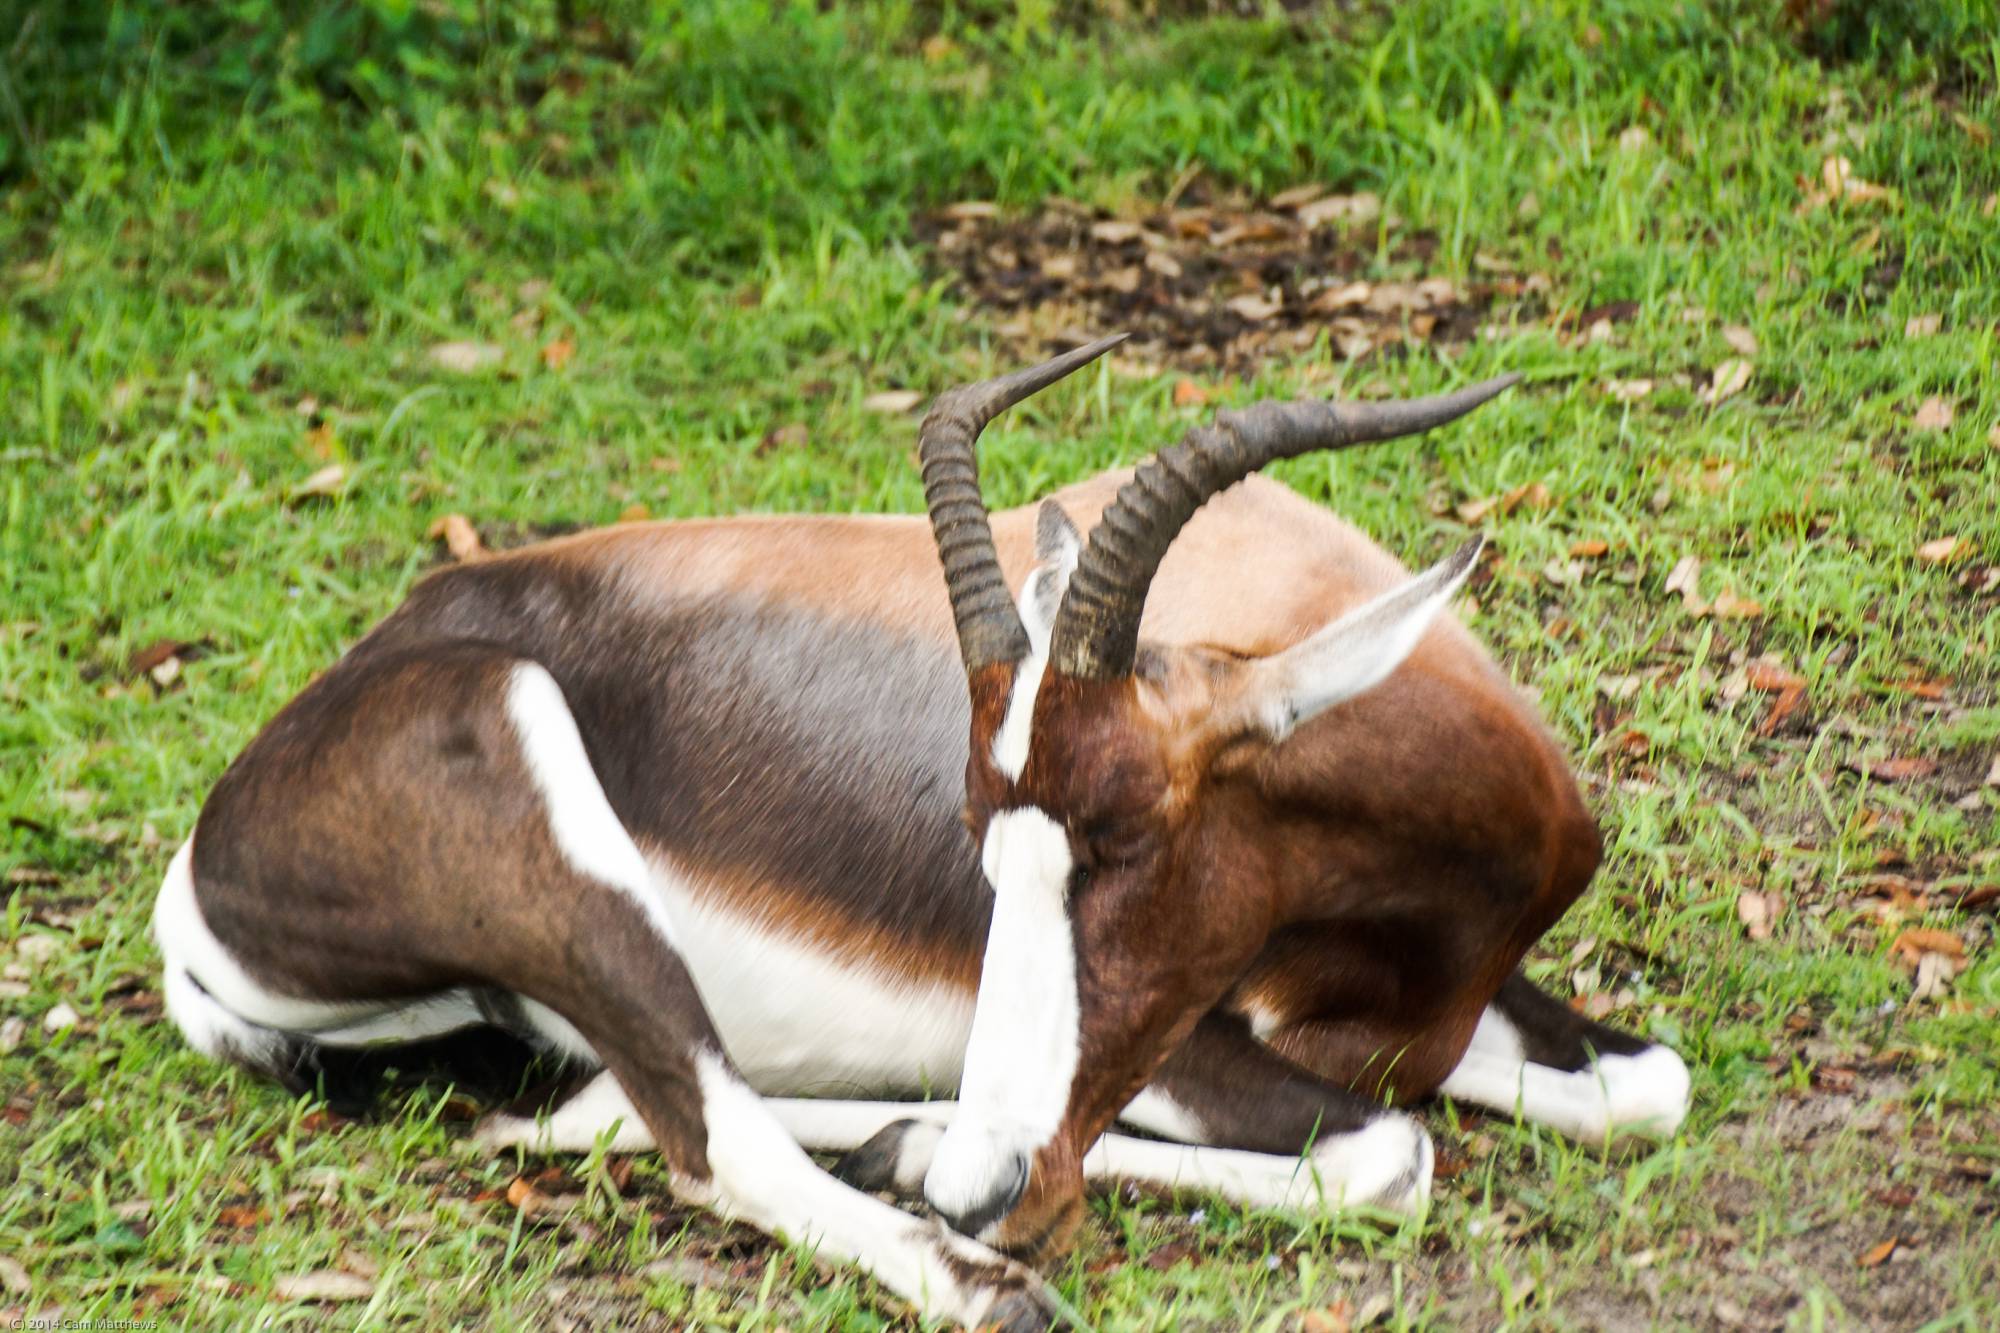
{"type": "Point", "coordinates": [1729, 379]}
{"type": "Point", "coordinates": [326, 1285]}
{"type": "Point", "coordinates": [1740, 340]}
{"type": "Point", "coordinates": [1758, 911]}
{"type": "Point", "coordinates": [789, 436]}
{"type": "Point", "coordinates": [1533, 494]}
{"type": "Point", "coordinates": [1922, 326]}
{"type": "Point", "coordinates": [1685, 578]}
{"type": "Point", "coordinates": [1731, 606]}
{"type": "Point", "coordinates": [1222, 284]}
{"type": "Point", "coordinates": [467, 358]}
{"type": "Point", "coordinates": [459, 537]}
{"type": "Point", "coordinates": [1837, 183]}
{"type": "Point", "coordinates": [1934, 413]}
{"type": "Point", "coordinates": [1899, 768]}
{"type": "Point", "coordinates": [558, 353]}
{"type": "Point", "coordinates": [1877, 1255]}
{"type": "Point", "coordinates": [13, 1276]}
{"type": "Point", "coordinates": [1944, 550]}
{"type": "Point", "coordinates": [1933, 958]}
{"type": "Point", "coordinates": [324, 484]}
{"type": "Point", "coordinates": [892, 402]}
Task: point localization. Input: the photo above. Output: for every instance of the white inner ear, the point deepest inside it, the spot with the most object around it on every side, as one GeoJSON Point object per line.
{"type": "Point", "coordinates": [1356, 652]}
{"type": "Point", "coordinates": [1057, 546]}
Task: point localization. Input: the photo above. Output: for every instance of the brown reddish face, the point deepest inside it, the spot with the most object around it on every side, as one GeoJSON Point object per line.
{"type": "Point", "coordinates": [1129, 877]}
{"type": "Point", "coordinates": [1125, 897]}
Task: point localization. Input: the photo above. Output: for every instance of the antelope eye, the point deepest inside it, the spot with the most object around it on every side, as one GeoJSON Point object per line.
{"type": "Point", "coordinates": [1079, 879]}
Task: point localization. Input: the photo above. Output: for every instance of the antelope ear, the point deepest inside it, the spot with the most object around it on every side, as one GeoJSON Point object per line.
{"type": "Point", "coordinates": [1355, 653]}
{"type": "Point", "coordinates": [1057, 546]}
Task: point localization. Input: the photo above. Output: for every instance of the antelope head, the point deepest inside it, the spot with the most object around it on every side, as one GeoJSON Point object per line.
{"type": "Point", "coordinates": [1131, 884]}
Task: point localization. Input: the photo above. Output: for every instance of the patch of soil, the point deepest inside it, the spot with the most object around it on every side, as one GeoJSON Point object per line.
{"type": "Point", "coordinates": [1216, 286]}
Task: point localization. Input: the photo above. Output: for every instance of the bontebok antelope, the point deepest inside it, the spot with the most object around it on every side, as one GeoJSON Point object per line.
{"type": "Point", "coordinates": [1211, 823]}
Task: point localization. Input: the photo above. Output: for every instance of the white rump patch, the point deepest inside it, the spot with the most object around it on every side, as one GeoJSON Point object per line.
{"type": "Point", "coordinates": [1643, 1094]}
{"type": "Point", "coordinates": [1021, 1058]}
{"type": "Point", "coordinates": [225, 1012]}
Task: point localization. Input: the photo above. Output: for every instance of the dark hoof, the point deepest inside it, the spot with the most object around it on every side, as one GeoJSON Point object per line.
{"type": "Point", "coordinates": [872, 1166]}
{"type": "Point", "coordinates": [1021, 1312]}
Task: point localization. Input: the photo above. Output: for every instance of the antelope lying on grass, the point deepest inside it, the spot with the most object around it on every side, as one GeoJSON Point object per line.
{"type": "Point", "coordinates": [684, 801]}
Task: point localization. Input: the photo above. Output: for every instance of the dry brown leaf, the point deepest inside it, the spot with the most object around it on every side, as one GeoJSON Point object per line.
{"type": "Point", "coordinates": [1362, 207]}
{"type": "Point", "coordinates": [1922, 687]}
{"type": "Point", "coordinates": [1934, 414]}
{"type": "Point", "coordinates": [1634, 139]}
{"type": "Point", "coordinates": [634, 513]}
{"type": "Point", "coordinates": [1187, 393]}
{"type": "Point", "coordinates": [1782, 707]}
{"type": "Point", "coordinates": [459, 536]}
{"type": "Point", "coordinates": [1922, 326]}
{"type": "Point", "coordinates": [1471, 511]}
{"type": "Point", "coordinates": [326, 482]}
{"type": "Point", "coordinates": [1347, 296]}
{"type": "Point", "coordinates": [1740, 339]}
{"type": "Point", "coordinates": [1256, 309]}
{"type": "Point", "coordinates": [1589, 548]}
{"type": "Point", "coordinates": [325, 1284]}
{"type": "Point", "coordinates": [1770, 676]}
{"type": "Point", "coordinates": [892, 401]}
{"type": "Point", "coordinates": [1837, 175]}
{"type": "Point", "coordinates": [1912, 944]}
{"type": "Point", "coordinates": [1285, 200]}
{"type": "Point", "coordinates": [970, 210]}
{"type": "Point", "coordinates": [14, 1277]}
{"type": "Point", "coordinates": [1878, 1255]}
{"type": "Point", "coordinates": [1757, 911]}
{"type": "Point", "coordinates": [1729, 606]}
{"type": "Point", "coordinates": [1900, 768]}
{"type": "Point", "coordinates": [1685, 578]}
{"type": "Point", "coordinates": [558, 353]}
{"type": "Point", "coordinates": [1993, 435]}
{"type": "Point", "coordinates": [1115, 232]}
{"type": "Point", "coordinates": [1992, 778]}
{"type": "Point", "coordinates": [467, 357]}
{"type": "Point", "coordinates": [792, 435]}
{"type": "Point", "coordinates": [1730, 378]}
{"type": "Point", "coordinates": [1335, 1318]}
{"type": "Point", "coordinates": [1944, 550]}
{"type": "Point", "coordinates": [1628, 391]}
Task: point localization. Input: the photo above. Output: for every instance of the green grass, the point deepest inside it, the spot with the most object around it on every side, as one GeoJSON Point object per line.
{"type": "Point", "coordinates": [211, 213]}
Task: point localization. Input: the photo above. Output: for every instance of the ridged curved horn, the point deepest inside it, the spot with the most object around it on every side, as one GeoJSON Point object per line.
{"type": "Point", "coordinates": [989, 625]}
{"type": "Point", "coordinates": [1096, 634]}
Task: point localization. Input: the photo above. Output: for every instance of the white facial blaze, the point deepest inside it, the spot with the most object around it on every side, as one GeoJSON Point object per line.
{"type": "Point", "coordinates": [1022, 1054]}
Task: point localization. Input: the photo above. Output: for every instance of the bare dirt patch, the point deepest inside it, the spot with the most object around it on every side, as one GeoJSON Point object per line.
{"type": "Point", "coordinates": [1221, 285]}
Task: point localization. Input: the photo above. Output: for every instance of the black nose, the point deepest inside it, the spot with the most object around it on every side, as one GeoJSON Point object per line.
{"type": "Point", "coordinates": [995, 1206]}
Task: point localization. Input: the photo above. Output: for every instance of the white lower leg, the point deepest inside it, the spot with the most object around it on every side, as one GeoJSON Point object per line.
{"type": "Point", "coordinates": [1385, 1165]}
{"type": "Point", "coordinates": [760, 1174]}
{"type": "Point", "coordinates": [1645, 1093]}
